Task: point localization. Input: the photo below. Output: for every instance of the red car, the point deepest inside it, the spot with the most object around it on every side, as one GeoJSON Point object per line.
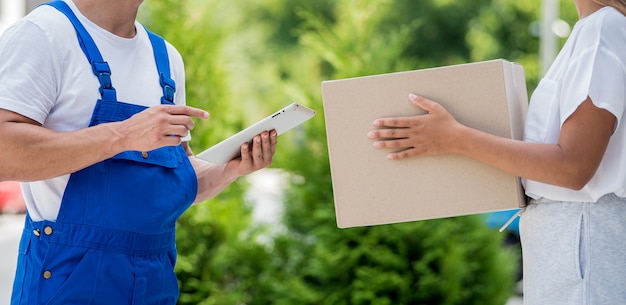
{"type": "Point", "coordinates": [11, 200]}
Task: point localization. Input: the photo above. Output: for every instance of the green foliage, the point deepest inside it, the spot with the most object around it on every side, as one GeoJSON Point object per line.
{"type": "Point", "coordinates": [508, 29]}
{"type": "Point", "coordinates": [430, 262]}
{"type": "Point", "coordinates": [246, 58]}
{"type": "Point", "coordinates": [219, 257]}
{"type": "Point", "coordinates": [441, 38]}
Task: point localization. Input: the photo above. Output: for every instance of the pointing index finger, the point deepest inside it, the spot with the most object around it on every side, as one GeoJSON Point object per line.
{"type": "Point", "coordinates": [187, 110]}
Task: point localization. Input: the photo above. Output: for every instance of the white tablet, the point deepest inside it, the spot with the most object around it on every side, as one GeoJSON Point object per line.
{"type": "Point", "coordinates": [282, 121]}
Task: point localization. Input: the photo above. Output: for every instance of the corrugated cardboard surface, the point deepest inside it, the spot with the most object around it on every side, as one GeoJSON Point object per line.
{"type": "Point", "coordinates": [369, 189]}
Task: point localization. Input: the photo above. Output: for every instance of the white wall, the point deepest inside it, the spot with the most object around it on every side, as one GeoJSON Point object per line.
{"type": "Point", "coordinates": [10, 12]}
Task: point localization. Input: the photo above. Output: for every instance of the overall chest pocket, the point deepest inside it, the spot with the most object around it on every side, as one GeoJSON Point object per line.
{"type": "Point", "coordinates": [109, 111]}
{"type": "Point", "coordinates": [169, 156]}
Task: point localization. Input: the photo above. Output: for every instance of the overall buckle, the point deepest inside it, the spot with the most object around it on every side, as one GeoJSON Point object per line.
{"type": "Point", "coordinates": [102, 70]}
{"type": "Point", "coordinates": [169, 88]}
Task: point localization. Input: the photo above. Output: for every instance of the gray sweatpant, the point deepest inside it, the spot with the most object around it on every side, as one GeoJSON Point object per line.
{"type": "Point", "coordinates": [574, 253]}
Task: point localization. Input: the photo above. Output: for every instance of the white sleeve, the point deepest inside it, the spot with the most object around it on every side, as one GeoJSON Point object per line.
{"type": "Point", "coordinates": [177, 69]}
{"type": "Point", "coordinates": [600, 74]}
{"type": "Point", "coordinates": [28, 71]}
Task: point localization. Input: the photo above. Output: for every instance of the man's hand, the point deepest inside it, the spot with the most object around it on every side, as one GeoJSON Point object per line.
{"type": "Point", "coordinates": [213, 178]}
{"type": "Point", "coordinates": [256, 157]}
{"type": "Point", "coordinates": [158, 126]}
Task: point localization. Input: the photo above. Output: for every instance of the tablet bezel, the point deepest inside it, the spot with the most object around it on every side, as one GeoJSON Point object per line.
{"type": "Point", "coordinates": [283, 120]}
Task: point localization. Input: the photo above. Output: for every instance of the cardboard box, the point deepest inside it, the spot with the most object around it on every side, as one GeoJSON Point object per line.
{"type": "Point", "coordinates": [369, 189]}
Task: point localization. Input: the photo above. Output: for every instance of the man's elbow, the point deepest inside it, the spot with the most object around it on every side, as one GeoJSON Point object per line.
{"type": "Point", "coordinates": [7, 173]}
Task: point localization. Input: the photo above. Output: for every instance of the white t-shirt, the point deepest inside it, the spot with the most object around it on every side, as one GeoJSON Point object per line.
{"type": "Point", "coordinates": [592, 63]}
{"type": "Point", "coordinates": [44, 75]}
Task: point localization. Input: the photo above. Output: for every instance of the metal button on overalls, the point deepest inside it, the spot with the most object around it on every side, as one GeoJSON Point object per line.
{"type": "Point", "coordinates": [47, 275]}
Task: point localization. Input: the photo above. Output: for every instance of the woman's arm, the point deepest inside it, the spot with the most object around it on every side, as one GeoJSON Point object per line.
{"type": "Point", "coordinates": [570, 163]}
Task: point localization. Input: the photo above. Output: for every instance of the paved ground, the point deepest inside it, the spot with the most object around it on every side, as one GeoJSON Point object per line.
{"type": "Point", "coordinates": [515, 301]}
{"type": "Point", "coordinates": [10, 231]}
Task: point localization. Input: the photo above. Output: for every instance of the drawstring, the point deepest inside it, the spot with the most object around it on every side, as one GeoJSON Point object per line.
{"type": "Point", "coordinates": [522, 210]}
{"type": "Point", "coordinates": [508, 223]}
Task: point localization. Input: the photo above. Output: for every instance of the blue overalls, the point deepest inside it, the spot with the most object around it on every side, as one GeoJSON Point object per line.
{"type": "Point", "coordinates": [113, 242]}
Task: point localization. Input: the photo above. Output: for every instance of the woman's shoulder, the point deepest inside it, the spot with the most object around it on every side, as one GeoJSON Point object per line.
{"type": "Point", "coordinates": [613, 16]}
{"type": "Point", "coordinates": [612, 32]}
{"type": "Point", "coordinates": [603, 30]}
{"type": "Point", "coordinates": [612, 22]}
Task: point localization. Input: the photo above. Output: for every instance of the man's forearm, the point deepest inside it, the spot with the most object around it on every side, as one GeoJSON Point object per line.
{"type": "Point", "coordinates": [212, 178]}
{"type": "Point", "coordinates": [29, 152]}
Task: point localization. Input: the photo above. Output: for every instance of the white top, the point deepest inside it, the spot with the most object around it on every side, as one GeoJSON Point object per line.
{"type": "Point", "coordinates": [592, 63]}
{"type": "Point", "coordinates": [44, 75]}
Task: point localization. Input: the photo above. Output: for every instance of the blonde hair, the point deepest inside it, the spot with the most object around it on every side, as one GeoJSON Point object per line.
{"type": "Point", "coordinates": [619, 5]}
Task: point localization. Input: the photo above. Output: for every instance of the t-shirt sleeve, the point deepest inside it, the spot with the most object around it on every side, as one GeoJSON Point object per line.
{"type": "Point", "coordinates": [597, 73]}
{"type": "Point", "coordinates": [177, 67]}
{"type": "Point", "coordinates": [178, 74]}
{"type": "Point", "coordinates": [27, 72]}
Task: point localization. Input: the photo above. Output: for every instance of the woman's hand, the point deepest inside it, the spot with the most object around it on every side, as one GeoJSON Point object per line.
{"type": "Point", "coordinates": [433, 133]}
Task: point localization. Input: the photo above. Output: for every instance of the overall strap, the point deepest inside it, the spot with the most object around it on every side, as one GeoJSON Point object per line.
{"type": "Point", "coordinates": [99, 67]}
{"type": "Point", "coordinates": [163, 67]}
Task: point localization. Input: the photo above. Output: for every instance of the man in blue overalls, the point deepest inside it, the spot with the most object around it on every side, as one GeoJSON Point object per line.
{"type": "Point", "coordinates": [93, 115]}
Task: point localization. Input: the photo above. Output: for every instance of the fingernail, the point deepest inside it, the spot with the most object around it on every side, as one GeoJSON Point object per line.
{"type": "Point", "coordinates": [371, 134]}
{"type": "Point", "coordinates": [412, 96]}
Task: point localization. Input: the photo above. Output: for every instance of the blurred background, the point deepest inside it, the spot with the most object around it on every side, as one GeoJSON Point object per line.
{"type": "Point", "coordinates": [272, 238]}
